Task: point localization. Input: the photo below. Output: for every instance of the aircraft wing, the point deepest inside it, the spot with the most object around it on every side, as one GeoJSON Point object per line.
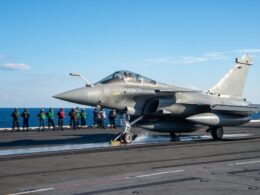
{"type": "Point", "coordinates": [252, 108]}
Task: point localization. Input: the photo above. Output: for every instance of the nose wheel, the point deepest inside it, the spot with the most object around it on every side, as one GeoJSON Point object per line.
{"type": "Point", "coordinates": [125, 137]}
{"type": "Point", "coordinates": [217, 133]}
{"type": "Point", "coordinates": [128, 138]}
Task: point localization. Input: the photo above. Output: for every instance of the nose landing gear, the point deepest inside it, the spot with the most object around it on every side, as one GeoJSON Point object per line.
{"type": "Point", "coordinates": [125, 137]}
{"type": "Point", "coordinates": [216, 132]}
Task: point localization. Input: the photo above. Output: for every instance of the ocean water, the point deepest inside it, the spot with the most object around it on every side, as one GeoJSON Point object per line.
{"type": "Point", "coordinates": [6, 119]}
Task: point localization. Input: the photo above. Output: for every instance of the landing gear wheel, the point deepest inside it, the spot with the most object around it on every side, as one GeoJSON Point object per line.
{"type": "Point", "coordinates": [217, 133]}
{"type": "Point", "coordinates": [125, 137]}
{"type": "Point", "coordinates": [173, 135]}
{"type": "Point", "coordinates": [128, 138]}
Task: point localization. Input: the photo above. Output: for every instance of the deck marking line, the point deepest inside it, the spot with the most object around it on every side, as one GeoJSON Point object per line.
{"type": "Point", "coordinates": [154, 174]}
{"type": "Point", "coordinates": [33, 191]}
{"type": "Point", "coordinates": [243, 163]}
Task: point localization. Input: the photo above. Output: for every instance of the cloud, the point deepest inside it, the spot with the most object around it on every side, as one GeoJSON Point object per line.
{"type": "Point", "coordinates": [250, 51]}
{"type": "Point", "coordinates": [176, 60]}
{"type": "Point", "coordinates": [6, 97]}
{"type": "Point", "coordinates": [211, 56]}
{"type": "Point", "coordinates": [216, 56]}
{"type": "Point", "coordinates": [15, 67]}
{"type": "Point", "coordinates": [188, 59]}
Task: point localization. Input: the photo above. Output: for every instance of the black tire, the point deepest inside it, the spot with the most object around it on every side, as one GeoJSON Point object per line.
{"type": "Point", "coordinates": [217, 133]}
{"type": "Point", "coordinates": [128, 138]}
{"type": "Point", "coordinates": [173, 135]}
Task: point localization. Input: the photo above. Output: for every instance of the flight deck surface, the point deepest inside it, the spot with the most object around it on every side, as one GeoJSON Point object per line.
{"type": "Point", "coordinates": [193, 164]}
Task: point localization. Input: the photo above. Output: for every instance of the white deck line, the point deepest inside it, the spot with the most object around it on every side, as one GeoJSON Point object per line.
{"type": "Point", "coordinates": [244, 163]}
{"type": "Point", "coordinates": [47, 149]}
{"type": "Point", "coordinates": [154, 174]}
{"type": "Point", "coordinates": [33, 191]}
{"type": "Point", "coordinates": [30, 128]}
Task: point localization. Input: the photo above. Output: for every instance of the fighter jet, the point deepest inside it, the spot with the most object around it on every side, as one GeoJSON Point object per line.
{"type": "Point", "coordinates": [170, 109]}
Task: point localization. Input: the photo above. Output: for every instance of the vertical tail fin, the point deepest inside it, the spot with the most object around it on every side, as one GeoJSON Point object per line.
{"type": "Point", "coordinates": [234, 81]}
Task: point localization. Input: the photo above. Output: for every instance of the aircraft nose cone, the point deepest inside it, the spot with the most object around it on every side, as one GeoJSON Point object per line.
{"type": "Point", "coordinates": [86, 96]}
{"type": "Point", "coordinates": [67, 96]}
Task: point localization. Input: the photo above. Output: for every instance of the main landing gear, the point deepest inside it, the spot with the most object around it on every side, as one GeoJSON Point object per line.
{"type": "Point", "coordinates": [216, 132]}
{"type": "Point", "coordinates": [175, 136]}
{"type": "Point", "coordinates": [125, 137]}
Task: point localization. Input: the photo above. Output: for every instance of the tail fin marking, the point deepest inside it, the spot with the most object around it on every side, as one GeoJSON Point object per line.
{"type": "Point", "coordinates": [234, 81]}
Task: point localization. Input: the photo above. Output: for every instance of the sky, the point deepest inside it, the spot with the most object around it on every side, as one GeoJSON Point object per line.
{"type": "Point", "coordinates": [182, 42]}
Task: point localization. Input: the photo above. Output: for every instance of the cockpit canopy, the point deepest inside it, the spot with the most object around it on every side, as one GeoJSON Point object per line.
{"type": "Point", "coordinates": [127, 77]}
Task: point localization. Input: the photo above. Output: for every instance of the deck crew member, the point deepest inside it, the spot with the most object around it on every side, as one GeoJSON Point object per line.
{"type": "Point", "coordinates": [97, 116]}
{"type": "Point", "coordinates": [15, 115]}
{"type": "Point", "coordinates": [26, 117]}
{"type": "Point", "coordinates": [42, 117]}
{"type": "Point", "coordinates": [103, 118]}
{"type": "Point", "coordinates": [112, 118]}
{"type": "Point", "coordinates": [78, 119]}
{"type": "Point", "coordinates": [71, 117]}
{"type": "Point", "coordinates": [83, 117]}
{"type": "Point", "coordinates": [51, 115]}
{"type": "Point", "coordinates": [61, 116]}
{"type": "Point", "coordinates": [75, 119]}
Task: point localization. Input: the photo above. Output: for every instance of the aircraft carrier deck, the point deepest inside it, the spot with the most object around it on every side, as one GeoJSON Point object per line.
{"type": "Point", "coordinates": [83, 162]}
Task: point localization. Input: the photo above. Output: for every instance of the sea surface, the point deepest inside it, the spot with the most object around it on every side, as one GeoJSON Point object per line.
{"type": "Point", "coordinates": [6, 119]}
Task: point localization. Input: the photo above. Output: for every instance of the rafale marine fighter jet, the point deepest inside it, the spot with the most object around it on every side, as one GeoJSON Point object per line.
{"type": "Point", "coordinates": [170, 109]}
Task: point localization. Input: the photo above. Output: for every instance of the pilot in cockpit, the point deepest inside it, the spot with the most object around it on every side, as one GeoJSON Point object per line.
{"type": "Point", "coordinates": [127, 77]}
{"type": "Point", "coordinates": [118, 76]}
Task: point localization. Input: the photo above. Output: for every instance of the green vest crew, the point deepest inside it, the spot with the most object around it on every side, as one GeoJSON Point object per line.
{"type": "Point", "coordinates": [26, 116]}
{"type": "Point", "coordinates": [15, 115]}
{"type": "Point", "coordinates": [83, 117]}
{"type": "Point", "coordinates": [42, 117]}
{"type": "Point", "coordinates": [51, 116]}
